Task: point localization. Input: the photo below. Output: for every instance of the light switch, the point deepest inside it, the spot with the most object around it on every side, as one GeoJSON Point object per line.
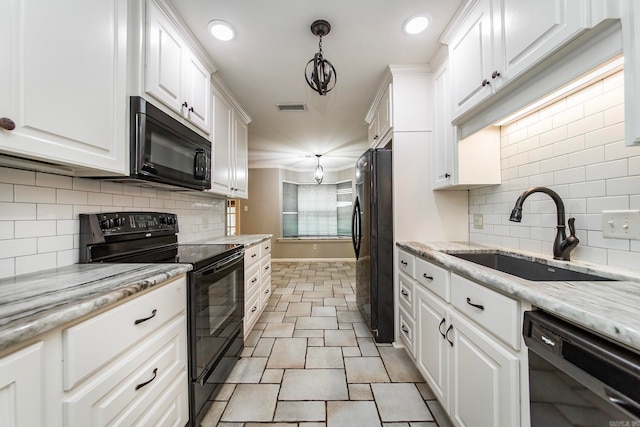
{"type": "Point", "coordinates": [621, 224]}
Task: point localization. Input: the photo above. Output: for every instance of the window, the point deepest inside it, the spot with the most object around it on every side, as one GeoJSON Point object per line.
{"type": "Point", "coordinates": [231, 218]}
{"type": "Point", "coordinates": [312, 210]}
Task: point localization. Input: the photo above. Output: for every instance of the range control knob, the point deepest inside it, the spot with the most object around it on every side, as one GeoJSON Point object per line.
{"type": "Point", "coordinates": [107, 223]}
{"type": "Point", "coordinates": [120, 221]}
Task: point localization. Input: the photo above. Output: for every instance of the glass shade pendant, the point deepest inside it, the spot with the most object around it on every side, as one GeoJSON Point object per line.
{"type": "Point", "coordinates": [319, 172]}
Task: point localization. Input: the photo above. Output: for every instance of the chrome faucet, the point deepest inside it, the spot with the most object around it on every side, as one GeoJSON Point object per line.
{"type": "Point", "coordinates": [562, 245]}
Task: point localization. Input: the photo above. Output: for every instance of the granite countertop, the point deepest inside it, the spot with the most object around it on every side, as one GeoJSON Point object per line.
{"type": "Point", "coordinates": [610, 308]}
{"type": "Point", "coordinates": [242, 239]}
{"type": "Point", "coordinates": [31, 304]}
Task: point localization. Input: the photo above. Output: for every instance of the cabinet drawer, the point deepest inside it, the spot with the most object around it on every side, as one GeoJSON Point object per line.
{"type": "Point", "coordinates": [90, 344]}
{"type": "Point", "coordinates": [407, 328]}
{"type": "Point", "coordinates": [265, 266]}
{"type": "Point", "coordinates": [405, 262]}
{"type": "Point", "coordinates": [125, 389]}
{"type": "Point", "coordinates": [265, 247]}
{"type": "Point", "coordinates": [407, 294]}
{"type": "Point", "coordinates": [265, 291]}
{"type": "Point", "coordinates": [251, 255]}
{"type": "Point", "coordinates": [493, 311]}
{"type": "Point", "coordinates": [251, 280]}
{"type": "Point", "coordinates": [252, 311]}
{"type": "Point", "coordinates": [434, 278]}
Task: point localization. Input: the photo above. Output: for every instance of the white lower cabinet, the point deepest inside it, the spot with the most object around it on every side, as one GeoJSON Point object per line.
{"type": "Point", "coordinates": [257, 282]}
{"type": "Point", "coordinates": [21, 403]}
{"type": "Point", "coordinates": [124, 366]}
{"type": "Point", "coordinates": [468, 349]}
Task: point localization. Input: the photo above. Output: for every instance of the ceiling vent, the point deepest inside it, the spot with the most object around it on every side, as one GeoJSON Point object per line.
{"type": "Point", "coordinates": [284, 108]}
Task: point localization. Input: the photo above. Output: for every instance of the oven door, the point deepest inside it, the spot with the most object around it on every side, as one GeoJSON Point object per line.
{"type": "Point", "coordinates": [216, 310]}
{"type": "Point", "coordinates": [165, 150]}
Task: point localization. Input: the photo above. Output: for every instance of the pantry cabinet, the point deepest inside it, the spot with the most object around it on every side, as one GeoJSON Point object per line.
{"type": "Point", "coordinates": [63, 84]}
{"type": "Point", "coordinates": [174, 74]}
{"type": "Point", "coordinates": [499, 40]}
{"type": "Point", "coordinates": [467, 343]}
{"type": "Point", "coordinates": [229, 175]}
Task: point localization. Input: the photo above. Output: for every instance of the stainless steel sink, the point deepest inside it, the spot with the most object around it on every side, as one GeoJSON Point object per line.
{"type": "Point", "coordinates": [525, 269]}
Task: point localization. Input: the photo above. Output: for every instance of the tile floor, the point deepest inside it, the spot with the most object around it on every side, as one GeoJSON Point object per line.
{"type": "Point", "coordinates": [310, 361]}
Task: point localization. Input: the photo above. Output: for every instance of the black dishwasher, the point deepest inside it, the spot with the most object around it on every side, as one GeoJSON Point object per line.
{"type": "Point", "coordinates": [578, 378]}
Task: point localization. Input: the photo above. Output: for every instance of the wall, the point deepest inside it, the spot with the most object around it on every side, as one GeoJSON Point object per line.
{"type": "Point", "coordinates": [263, 214]}
{"type": "Point", "coordinates": [39, 226]}
{"type": "Point", "coordinates": [576, 147]}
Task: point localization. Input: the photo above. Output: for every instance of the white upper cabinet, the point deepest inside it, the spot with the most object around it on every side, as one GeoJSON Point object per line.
{"type": "Point", "coordinates": [631, 47]}
{"type": "Point", "coordinates": [229, 175]}
{"type": "Point", "coordinates": [499, 40]}
{"type": "Point", "coordinates": [381, 121]}
{"type": "Point", "coordinates": [174, 75]}
{"type": "Point", "coordinates": [63, 83]}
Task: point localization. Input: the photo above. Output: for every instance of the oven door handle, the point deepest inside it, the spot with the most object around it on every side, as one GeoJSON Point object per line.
{"type": "Point", "coordinates": [623, 402]}
{"type": "Point", "coordinates": [222, 265]}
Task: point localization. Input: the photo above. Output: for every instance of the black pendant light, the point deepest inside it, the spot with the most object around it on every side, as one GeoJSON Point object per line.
{"type": "Point", "coordinates": [320, 74]}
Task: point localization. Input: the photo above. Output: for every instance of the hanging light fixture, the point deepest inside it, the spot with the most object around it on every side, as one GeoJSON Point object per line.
{"type": "Point", "coordinates": [320, 74]}
{"type": "Point", "coordinates": [319, 172]}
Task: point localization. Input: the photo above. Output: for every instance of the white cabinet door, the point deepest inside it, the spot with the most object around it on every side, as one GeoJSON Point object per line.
{"type": "Point", "coordinates": [164, 72]}
{"type": "Point", "coordinates": [529, 31]}
{"type": "Point", "coordinates": [174, 75]}
{"type": "Point", "coordinates": [443, 132]}
{"type": "Point", "coordinates": [241, 159]}
{"type": "Point", "coordinates": [485, 384]}
{"type": "Point", "coordinates": [221, 165]}
{"type": "Point", "coordinates": [64, 82]}
{"type": "Point", "coordinates": [471, 58]}
{"type": "Point", "coordinates": [432, 346]}
{"type": "Point", "coordinates": [384, 115]}
{"type": "Point", "coordinates": [21, 403]}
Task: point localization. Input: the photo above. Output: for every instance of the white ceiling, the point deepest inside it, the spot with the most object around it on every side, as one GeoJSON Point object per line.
{"type": "Point", "coordinates": [265, 64]}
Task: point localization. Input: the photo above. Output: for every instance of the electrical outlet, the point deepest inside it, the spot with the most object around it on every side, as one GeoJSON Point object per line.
{"type": "Point", "coordinates": [621, 224]}
{"type": "Point", "coordinates": [246, 208]}
{"type": "Point", "coordinates": [478, 221]}
{"type": "Point", "coordinates": [315, 246]}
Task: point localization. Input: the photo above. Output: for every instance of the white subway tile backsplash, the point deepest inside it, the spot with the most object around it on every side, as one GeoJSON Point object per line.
{"type": "Point", "coordinates": [6, 192]}
{"type": "Point", "coordinates": [17, 176]}
{"type": "Point", "coordinates": [584, 159]}
{"type": "Point", "coordinates": [44, 232]}
{"type": "Point", "coordinates": [17, 211]}
{"type": "Point", "coordinates": [34, 229]}
{"type": "Point", "coordinates": [7, 230]}
{"type": "Point", "coordinates": [33, 263]}
{"type": "Point", "coordinates": [53, 181]}
{"type": "Point", "coordinates": [71, 197]}
{"type": "Point", "coordinates": [31, 194]}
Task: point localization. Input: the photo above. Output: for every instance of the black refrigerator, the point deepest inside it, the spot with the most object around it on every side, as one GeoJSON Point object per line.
{"type": "Point", "coordinates": [372, 236]}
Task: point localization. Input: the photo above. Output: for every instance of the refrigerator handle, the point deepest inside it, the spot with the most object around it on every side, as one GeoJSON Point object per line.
{"type": "Point", "coordinates": [355, 224]}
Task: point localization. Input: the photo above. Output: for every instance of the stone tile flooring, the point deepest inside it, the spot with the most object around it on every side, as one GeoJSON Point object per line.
{"type": "Point", "coordinates": [310, 361]}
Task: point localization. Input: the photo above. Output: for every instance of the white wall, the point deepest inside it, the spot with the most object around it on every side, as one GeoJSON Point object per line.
{"type": "Point", "coordinates": [575, 147]}
{"type": "Point", "coordinates": [39, 226]}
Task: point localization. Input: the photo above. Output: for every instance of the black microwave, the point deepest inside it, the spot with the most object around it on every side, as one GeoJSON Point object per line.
{"type": "Point", "coordinates": [165, 151]}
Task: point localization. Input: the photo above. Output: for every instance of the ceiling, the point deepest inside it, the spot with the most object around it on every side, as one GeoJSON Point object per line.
{"type": "Point", "coordinates": [264, 66]}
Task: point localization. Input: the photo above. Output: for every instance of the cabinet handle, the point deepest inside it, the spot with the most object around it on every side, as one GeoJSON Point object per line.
{"type": "Point", "coordinates": [253, 255]}
{"type": "Point", "coordinates": [403, 262]}
{"type": "Point", "coordinates": [266, 291]}
{"type": "Point", "coordinates": [447, 335]}
{"type": "Point", "coordinates": [486, 82]}
{"type": "Point", "coordinates": [440, 328]}
{"type": "Point", "coordinates": [480, 306]}
{"type": "Point", "coordinates": [266, 267]}
{"type": "Point", "coordinates": [266, 248]}
{"type": "Point", "coordinates": [153, 314]}
{"type": "Point", "coordinates": [191, 110]}
{"type": "Point", "coordinates": [254, 280]}
{"type": "Point", "coordinates": [404, 329]}
{"type": "Point", "coordinates": [405, 293]}
{"type": "Point", "coordinates": [254, 309]}
{"type": "Point", "coordinates": [155, 373]}
{"type": "Point", "coordinates": [185, 105]}
{"type": "Point", "coordinates": [446, 175]}
{"type": "Point", "coordinates": [429, 278]}
{"type": "Point", "coordinates": [7, 124]}
{"type": "Point", "coordinates": [495, 74]}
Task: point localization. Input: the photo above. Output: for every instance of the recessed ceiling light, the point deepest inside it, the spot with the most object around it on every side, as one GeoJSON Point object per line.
{"type": "Point", "coordinates": [416, 24]}
{"type": "Point", "coordinates": [221, 30]}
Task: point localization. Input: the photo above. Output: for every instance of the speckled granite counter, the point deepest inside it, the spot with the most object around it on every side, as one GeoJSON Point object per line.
{"type": "Point", "coordinates": [611, 308]}
{"type": "Point", "coordinates": [31, 304]}
{"type": "Point", "coordinates": [242, 239]}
